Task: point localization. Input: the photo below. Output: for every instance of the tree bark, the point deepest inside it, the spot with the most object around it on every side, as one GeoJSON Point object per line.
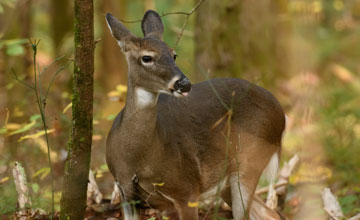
{"type": "Point", "coordinates": [241, 39]}
{"type": "Point", "coordinates": [73, 201]}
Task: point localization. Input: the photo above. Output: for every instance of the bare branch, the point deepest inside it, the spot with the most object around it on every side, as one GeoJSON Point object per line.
{"type": "Point", "coordinates": [187, 14]}
{"type": "Point", "coordinates": [21, 81]}
{"type": "Point", "coordinates": [259, 210]}
{"type": "Point", "coordinates": [186, 21]}
{"type": "Point", "coordinates": [22, 190]}
{"type": "Point", "coordinates": [266, 189]}
{"type": "Point", "coordinates": [331, 205]}
{"type": "Point", "coordinates": [356, 217]}
{"type": "Point", "coordinates": [115, 196]}
{"type": "Point", "coordinates": [126, 21]}
{"type": "Point", "coordinates": [53, 78]}
{"type": "Point", "coordinates": [93, 192]}
{"type": "Point", "coordinates": [174, 13]}
{"type": "Point", "coordinates": [272, 199]}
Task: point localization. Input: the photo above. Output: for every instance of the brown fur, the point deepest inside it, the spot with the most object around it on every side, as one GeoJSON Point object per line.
{"type": "Point", "coordinates": [168, 153]}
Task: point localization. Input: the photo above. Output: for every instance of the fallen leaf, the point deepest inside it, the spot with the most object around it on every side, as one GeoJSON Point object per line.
{"type": "Point", "coordinates": [36, 135]}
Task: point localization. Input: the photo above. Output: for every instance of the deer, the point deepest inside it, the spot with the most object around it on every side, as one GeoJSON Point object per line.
{"type": "Point", "coordinates": [175, 142]}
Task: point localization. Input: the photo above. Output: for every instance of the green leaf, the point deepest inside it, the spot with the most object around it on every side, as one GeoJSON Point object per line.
{"type": "Point", "coordinates": [111, 117]}
{"type": "Point", "coordinates": [15, 50]}
{"type": "Point", "coordinates": [25, 128]}
{"type": "Point", "coordinates": [348, 199]}
{"type": "Point", "coordinates": [347, 203]}
{"type": "Point", "coordinates": [104, 167]}
{"type": "Point", "coordinates": [35, 117]}
{"type": "Point", "coordinates": [1, 10]}
{"type": "Point", "coordinates": [35, 187]}
{"type": "Point", "coordinates": [3, 130]}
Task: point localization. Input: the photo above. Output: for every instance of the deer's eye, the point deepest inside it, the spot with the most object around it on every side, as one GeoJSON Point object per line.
{"type": "Point", "coordinates": [146, 59]}
{"type": "Point", "coordinates": [175, 56]}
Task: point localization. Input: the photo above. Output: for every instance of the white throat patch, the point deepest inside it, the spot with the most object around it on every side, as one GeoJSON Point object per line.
{"type": "Point", "coordinates": [143, 97]}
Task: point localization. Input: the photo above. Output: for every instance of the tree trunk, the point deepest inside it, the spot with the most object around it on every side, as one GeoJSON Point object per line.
{"type": "Point", "coordinates": [113, 62]}
{"type": "Point", "coordinates": [240, 39]}
{"type": "Point", "coordinates": [73, 201]}
{"type": "Point", "coordinates": [61, 23]}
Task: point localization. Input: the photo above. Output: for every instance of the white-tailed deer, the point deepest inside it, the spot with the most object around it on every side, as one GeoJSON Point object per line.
{"type": "Point", "coordinates": [169, 145]}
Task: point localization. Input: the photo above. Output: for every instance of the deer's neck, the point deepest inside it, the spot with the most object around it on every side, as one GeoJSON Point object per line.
{"type": "Point", "coordinates": [140, 113]}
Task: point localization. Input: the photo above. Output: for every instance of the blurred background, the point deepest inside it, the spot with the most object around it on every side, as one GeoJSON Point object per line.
{"type": "Point", "coordinates": [306, 52]}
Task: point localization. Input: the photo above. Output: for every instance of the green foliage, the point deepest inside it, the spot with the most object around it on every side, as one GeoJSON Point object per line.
{"type": "Point", "coordinates": [347, 203]}
{"type": "Point", "coordinates": [8, 199]}
{"type": "Point", "coordinates": [6, 3]}
{"type": "Point", "coordinates": [342, 137]}
{"type": "Point", "coordinates": [14, 47]}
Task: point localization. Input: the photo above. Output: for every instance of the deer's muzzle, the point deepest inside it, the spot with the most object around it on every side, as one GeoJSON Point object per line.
{"type": "Point", "coordinates": [182, 87]}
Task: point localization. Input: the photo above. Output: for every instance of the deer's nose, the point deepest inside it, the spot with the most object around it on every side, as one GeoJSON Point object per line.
{"type": "Point", "coordinates": [183, 85]}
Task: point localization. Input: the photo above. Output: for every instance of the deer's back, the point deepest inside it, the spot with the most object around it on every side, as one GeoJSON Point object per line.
{"type": "Point", "coordinates": [254, 110]}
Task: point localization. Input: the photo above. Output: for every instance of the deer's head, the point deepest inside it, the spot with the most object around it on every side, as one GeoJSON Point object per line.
{"type": "Point", "coordinates": [150, 60]}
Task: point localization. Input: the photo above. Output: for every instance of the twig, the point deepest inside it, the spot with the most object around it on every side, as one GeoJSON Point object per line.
{"type": "Point", "coordinates": [285, 173]}
{"type": "Point", "coordinates": [42, 113]}
{"type": "Point", "coordinates": [266, 189]}
{"type": "Point", "coordinates": [272, 199]}
{"type": "Point", "coordinates": [356, 217]}
{"type": "Point", "coordinates": [41, 101]}
{"type": "Point", "coordinates": [331, 205]}
{"type": "Point", "coordinates": [20, 81]}
{"type": "Point", "coordinates": [259, 210]}
{"type": "Point", "coordinates": [187, 14]}
{"type": "Point", "coordinates": [93, 192]}
{"type": "Point", "coordinates": [186, 21]}
{"type": "Point", "coordinates": [22, 190]}
{"type": "Point", "coordinates": [115, 196]}
{"type": "Point", "coordinates": [52, 81]}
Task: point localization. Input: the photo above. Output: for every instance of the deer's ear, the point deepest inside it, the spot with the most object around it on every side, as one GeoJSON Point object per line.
{"type": "Point", "coordinates": [152, 25]}
{"type": "Point", "coordinates": [118, 30]}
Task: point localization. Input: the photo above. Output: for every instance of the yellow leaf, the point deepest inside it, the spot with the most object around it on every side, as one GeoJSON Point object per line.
{"type": "Point", "coordinates": [193, 204]}
{"type": "Point", "coordinates": [67, 107]}
{"type": "Point", "coordinates": [121, 88]}
{"type": "Point", "coordinates": [3, 180]}
{"type": "Point", "coordinates": [96, 137]}
{"type": "Point", "coordinates": [310, 173]}
{"type": "Point", "coordinates": [343, 73]}
{"type": "Point", "coordinates": [158, 184]}
{"type": "Point", "coordinates": [12, 126]}
{"type": "Point", "coordinates": [43, 172]}
{"type": "Point", "coordinates": [113, 94]}
{"type": "Point", "coordinates": [36, 135]}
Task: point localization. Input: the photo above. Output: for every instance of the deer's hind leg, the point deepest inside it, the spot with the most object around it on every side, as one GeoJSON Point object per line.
{"type": "Point", "coordinates": [249, 165]}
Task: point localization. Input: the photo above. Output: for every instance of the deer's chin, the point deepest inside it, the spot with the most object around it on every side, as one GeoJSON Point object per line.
{"type": "Point", "coordinates": [175, 93]}
{"type": "Point", "coordinates": [179, 94]}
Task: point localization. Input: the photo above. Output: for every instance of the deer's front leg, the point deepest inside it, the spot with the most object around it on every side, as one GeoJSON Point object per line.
{"type": "Point", "coordinates": [129, 211]}
{"type": "Point", "coordinates": [187, 210]}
